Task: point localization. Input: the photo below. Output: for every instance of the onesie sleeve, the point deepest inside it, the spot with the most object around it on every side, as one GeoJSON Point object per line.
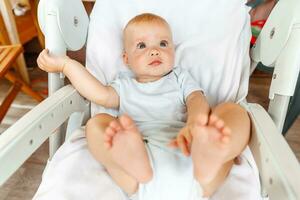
{"type": "Point", "coordinates": [111, 111]}
{"type": "Point", "coordinates": [116, 83]}
{"type": "Point", "coordinates": [187, 83]}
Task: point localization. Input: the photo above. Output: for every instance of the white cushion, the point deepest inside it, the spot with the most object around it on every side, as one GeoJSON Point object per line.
{"type": "Point", "coordinates": [211, 38]}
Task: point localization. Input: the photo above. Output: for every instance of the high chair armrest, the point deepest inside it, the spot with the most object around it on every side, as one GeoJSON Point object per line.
{"type": "Point", "coordinates": [279, 168]}
{"type": "Point", "coordinates": [19, 141]}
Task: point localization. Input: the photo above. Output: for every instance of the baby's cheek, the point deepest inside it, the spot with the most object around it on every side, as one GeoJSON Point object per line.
{"type": "Point", "coordinates": [134, 59]}
{"type": "Point", "coordinates": [171, 56]}
{"type": "Point", "coordinates": [141, 59]}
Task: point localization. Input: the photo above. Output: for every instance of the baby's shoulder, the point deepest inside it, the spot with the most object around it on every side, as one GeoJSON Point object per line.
{"type": "Point", "coordinates": [181, 73]}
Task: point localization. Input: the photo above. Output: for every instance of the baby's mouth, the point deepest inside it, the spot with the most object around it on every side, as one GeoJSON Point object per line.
{"type": "Point", "coordinates": [155, 63]}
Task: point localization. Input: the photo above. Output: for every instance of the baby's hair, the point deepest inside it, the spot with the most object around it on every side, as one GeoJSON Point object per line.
{"type": "Point", "coordinates": [146, 18]}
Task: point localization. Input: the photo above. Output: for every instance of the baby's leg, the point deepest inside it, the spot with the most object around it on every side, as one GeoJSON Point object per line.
{"type": "Point", "coordinates": [95, 133]}
{"type": "Point", "coordinates": [215, 146]}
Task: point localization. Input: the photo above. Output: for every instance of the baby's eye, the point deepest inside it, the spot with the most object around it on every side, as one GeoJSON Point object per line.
{"type": "Point", "coordinates": [141, 45]}
{"type": "Point", "coordinates": [163, 43]}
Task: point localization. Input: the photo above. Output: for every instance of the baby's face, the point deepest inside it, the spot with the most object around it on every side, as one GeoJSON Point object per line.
{"type": "Point", "coordinates": [149, 50]}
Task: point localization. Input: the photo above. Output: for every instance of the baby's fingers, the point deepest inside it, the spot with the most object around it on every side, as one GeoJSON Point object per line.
{"type": "Point", "coordinates": [44, 54]}
{"type": "Point", "coordinates": [41, 62]}
{"type": "Point", "coordinates": [50, 63]}
{"type": "Point", "coordinates": [173, 143]}
{"type": "Point", "coordinates": [185, 132]}
{"type": "Point", "coordinates": [47, 57]}
{"type": "Point", "coordinates": [42, 57]}
{"type": "Point", "coordinates": [182, 143]}
{"type": "Point", "coordinates": [188, 137]}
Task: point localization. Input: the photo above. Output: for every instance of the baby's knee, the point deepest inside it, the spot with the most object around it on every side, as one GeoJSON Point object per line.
{"type": "Point", "coordinates": [229, 107]}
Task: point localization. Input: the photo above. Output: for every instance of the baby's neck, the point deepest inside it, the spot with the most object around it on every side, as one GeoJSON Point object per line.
{"type": "Point", "coordinates": [147, 79]}
{"type": "Point", "coordinates": [150, 79]}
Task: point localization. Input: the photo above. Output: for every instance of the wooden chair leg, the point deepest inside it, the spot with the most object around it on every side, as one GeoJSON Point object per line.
{"type": "Point", "coordinates": [9, 99]}
{"type": "Point", "coordinates": [10, 23]}
{"type": "Point", "coordinates": [24, 86]}
{"type": "Point", "coordinates": [40, 35]}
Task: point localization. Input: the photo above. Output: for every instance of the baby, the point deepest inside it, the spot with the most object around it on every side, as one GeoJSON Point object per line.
{"type": "Point", "coordinates": [157, 98]}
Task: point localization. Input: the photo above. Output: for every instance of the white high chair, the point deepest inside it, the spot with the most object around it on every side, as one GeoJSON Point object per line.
{"type": "Point", "coordinates": [65, 27]}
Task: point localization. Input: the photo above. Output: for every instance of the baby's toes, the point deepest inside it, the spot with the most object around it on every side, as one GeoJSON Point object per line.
{"type": "Point", "coordinates": [107, 144]}
{"type": "Point", "coordinates": [107, 140]}
{"type": "Point", "coordinates": [225, 139]}
{"type": "Point", "coordinates": [127, 123]}
{"type": "Point", "coordinates": [109, 132]}
{"type": "Point", "coordinates": [212, 119]}
{"type": "Point", "coordinates": [226, 131]}
{"type": "Point", "coordinates": [219, 124]}
{"type": "Point", "coordinates": [115, 125]}
{"type": "Point", "coordinates": [216, 122]}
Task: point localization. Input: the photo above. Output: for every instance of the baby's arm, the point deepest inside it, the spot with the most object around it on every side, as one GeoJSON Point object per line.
{"type": "Point", "coordinates": [197, 108]}
{"type": "Point", "coordinates": [198, 111]}
{"type": "Point", "coordinates": [86, 84]}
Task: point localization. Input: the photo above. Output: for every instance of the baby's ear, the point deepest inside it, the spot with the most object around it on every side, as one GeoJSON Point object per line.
{"type": "Point", "coordinates": [125, 58]}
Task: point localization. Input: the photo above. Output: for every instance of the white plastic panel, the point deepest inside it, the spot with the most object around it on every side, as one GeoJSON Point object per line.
{"type": "Point", "coordinates": [71, 18]}
{"type": "Point", "coordinates": [73, 22]}
{"type": "Point", "coordinates": [279, 168]}
{"type": "Point", "coordinates": [276, 31]}
{"type": "Point", "coordinates": [277, 110]}
{"type": "Point", "coordinates": [19, 141]}
{"type": "Point", "coordinates": [287, 66]}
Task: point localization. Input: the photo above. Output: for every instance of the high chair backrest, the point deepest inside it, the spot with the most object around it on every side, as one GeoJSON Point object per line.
{"type": "Point", "coordinates": [211, 41]}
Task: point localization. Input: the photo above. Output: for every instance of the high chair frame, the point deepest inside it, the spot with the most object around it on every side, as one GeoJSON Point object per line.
{"type": "Point", "coordinates": [278, 166]}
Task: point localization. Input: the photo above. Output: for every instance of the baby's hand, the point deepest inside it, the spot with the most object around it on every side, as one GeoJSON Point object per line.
{"type": "Point", "coordinates": [184, 138]}
{"type": "Point", "coordinates": [51, 63]}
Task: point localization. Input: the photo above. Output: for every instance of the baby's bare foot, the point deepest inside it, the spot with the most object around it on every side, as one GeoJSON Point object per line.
{"type": "Point", "coordinates": [113, 128]}
{"type": "Point", "coordinates": [209, 149]}
{"type": "Point", "coordinates": [219, 124]}
{"type": "Point", "coordinates": [124, 141]}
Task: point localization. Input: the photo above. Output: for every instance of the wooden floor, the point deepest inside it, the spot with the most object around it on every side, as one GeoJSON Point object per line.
{"type": "Point", "coordinates": [23, 184]}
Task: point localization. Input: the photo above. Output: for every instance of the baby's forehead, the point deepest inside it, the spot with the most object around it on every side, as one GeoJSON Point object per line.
{"type": "Point", "coordinates": [133, 27]}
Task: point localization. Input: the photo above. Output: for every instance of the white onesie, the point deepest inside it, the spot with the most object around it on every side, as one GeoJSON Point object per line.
{"type": "Point", "coordinates": [159, 110]}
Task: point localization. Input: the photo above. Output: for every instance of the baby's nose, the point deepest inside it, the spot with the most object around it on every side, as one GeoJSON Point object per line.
{"type": "Point", "coordinates": [154, 52]}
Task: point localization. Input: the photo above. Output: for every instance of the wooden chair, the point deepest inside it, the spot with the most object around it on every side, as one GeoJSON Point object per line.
{"type": "Point", "coordinates": [27, 25]}
{"type": "Point", "coordinates": [19, 30]}
{"type": "Point", "coordinates": [8, 54]}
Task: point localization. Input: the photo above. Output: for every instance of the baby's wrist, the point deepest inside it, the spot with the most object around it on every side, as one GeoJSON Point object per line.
{"type": "Point", "coordinates": [65, 64]}
{"type": "Point", "coordinates": [191, 120]}
{"type": "Point", "coordinates": [201, 117]}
